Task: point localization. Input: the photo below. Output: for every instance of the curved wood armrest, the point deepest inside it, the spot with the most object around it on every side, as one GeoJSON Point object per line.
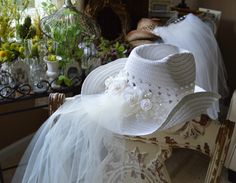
{"type": "Point", "coordinates": [55, 101]}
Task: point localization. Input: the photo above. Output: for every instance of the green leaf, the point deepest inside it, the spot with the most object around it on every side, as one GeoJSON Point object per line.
{"type": "Point", "coordinates": [67, 81]}
{"type": "Point", "coordinates": [121, 48]}
{"type": "Point", "coordinates": [63, 79]}
{"type": "Point", "coordinates": [44, 4]}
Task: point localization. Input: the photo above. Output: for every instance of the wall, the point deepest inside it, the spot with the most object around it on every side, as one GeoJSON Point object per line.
{"type": "Point", "coordinates": [193, 4]}
{"type": "Point", "coordinates": [226, 34]}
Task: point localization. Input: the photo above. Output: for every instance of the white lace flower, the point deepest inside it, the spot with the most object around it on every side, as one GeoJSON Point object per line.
{"type": "Point", "coordinates": [117, 85]}
{"type": "Point", "coordinates": [108, 81]}
{"type": "Point", "coordinates": [146, 104]}
{"type": "Point", "coordinates": [131, 99]}
{"type": "Point", "coordinates": [132, 95]}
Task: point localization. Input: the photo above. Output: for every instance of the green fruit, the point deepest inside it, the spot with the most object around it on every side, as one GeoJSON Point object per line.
{"type": "Point", "coordinates": [21, 49]}
{"type": "Point", "coordinates": [34, 51]}
{"type": "Point", "coordinates": [13, 46]}
{"type": "Point", "coordinates": [52, 58]}
{"type": "Point", "coordinates": [50, 49]}
{"type": "Point", "coordinates": [49, 42]}
{"type": "Point", "coordinates": [35, 39]}
{"type": "Point", "coordinates": [6, 46]}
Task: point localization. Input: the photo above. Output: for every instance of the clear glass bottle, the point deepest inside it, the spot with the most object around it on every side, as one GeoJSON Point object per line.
{"type": "Point", "coordinates": [37, 73]}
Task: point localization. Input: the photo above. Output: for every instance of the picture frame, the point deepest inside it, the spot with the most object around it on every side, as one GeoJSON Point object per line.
{"type": "Point", "coordinates": [73, 70]}
{"type": "Point", "coordinates": [159, 5]}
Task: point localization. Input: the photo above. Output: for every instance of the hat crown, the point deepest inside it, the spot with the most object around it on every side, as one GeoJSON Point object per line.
{"type": "Point", "coordinates": [161, 67]}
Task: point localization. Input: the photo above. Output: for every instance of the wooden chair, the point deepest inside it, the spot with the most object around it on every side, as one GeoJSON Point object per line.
{"type": "Point", "coordinates": [211, 138]}
{"type": "Point", "coordinates": [230, 162]}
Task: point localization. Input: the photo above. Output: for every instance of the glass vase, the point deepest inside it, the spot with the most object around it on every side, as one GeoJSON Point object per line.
{"type": "Point", "coordinates": [37, 73]}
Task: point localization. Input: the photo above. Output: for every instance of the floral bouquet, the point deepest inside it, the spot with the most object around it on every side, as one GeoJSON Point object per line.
{"type": "Point", "coordinates": [10, 52]}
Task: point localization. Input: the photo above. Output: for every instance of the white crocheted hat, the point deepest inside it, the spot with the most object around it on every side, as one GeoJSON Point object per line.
{"type": "Point", "coordinates": [158, 81]}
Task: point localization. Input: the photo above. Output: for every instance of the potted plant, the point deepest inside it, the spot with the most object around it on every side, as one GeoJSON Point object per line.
{"type": "Point", "coordinates": [110, 50]}
{"type": "Point", "coordinates": [52, 60]}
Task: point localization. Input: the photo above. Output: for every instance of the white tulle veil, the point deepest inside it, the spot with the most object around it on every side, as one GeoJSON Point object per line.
{"type": "Point", "coordinates": [70, 147]}
{"type": "Point", "coordinates": [194, 35]}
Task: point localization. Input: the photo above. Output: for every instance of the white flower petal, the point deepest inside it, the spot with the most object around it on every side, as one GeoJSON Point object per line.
{"type": "Point", "coordinates": [108, 81]}
{"type": "Point", "coordinates": [146, 104]}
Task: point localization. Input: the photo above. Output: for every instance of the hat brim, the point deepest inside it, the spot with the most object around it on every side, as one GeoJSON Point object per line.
{"type": "Point", "coordinates": [189, 107]}
{"type": "Point", "coordinates": [94, 83]}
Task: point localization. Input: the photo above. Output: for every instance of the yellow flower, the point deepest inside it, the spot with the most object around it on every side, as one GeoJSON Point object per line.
{"type": "Point", "coordinates": [21, 49]}
{"type": "Point", "coordinates": [3, 54]}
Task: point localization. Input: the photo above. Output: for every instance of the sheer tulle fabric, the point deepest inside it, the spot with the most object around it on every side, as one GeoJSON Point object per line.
{"type": "Point", "coordinates": [73, 147]}
{"type": "Point", "coordinates": [197, 37]}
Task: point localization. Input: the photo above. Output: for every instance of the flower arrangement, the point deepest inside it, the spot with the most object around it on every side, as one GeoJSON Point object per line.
{"type": "Point", "coordinates": [22, 38]}
{"type": "Point", "coordinates": [10, 12]}
{"type": "Point", "coordinates": [52, 57]}
{"type": "Point", "coordinates": [10, 15]}
{"type": "Point", "coordinates": [109, 51]}
{"type": "Point", "coordinates": [29, 35]}
{"type": "Point", "coordinates": [11, 51]}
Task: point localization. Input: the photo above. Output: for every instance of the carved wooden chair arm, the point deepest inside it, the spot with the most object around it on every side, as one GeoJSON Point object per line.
{"type": "Point", "coordinates": [55, 101]}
